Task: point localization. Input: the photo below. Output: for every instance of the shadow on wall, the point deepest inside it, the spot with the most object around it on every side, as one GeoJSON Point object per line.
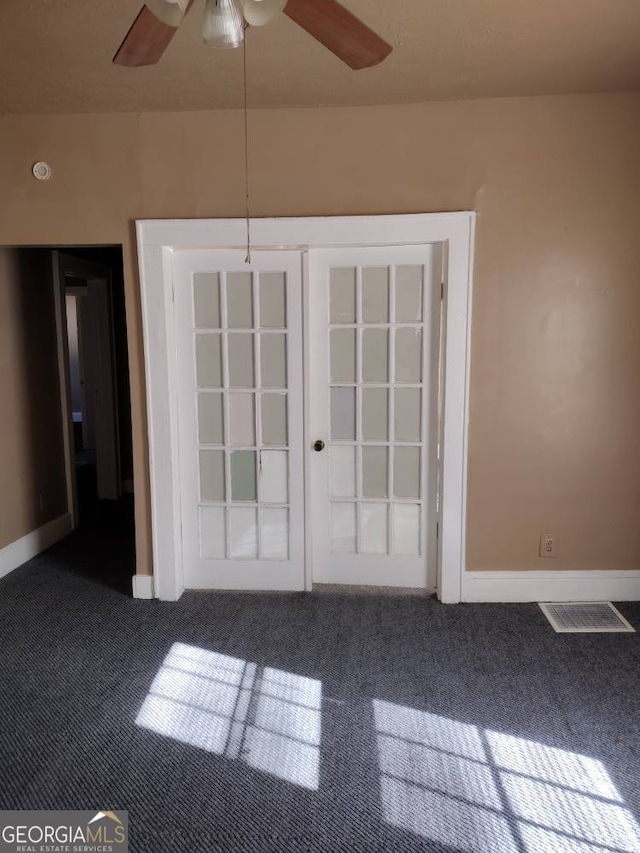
{"type": "Point", "coordinates": [33, 476]}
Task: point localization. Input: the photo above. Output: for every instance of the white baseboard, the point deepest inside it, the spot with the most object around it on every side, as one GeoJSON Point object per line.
{"type": "Point", "coordinates": [588, 585]}
{"type": "Point", "coordinates": [29, 546]}
{"type": "Point", "coordinates": [143, 586]}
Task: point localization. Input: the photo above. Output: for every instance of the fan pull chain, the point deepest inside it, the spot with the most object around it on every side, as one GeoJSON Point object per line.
{"type": "Point", "coordinates": [247, 260]}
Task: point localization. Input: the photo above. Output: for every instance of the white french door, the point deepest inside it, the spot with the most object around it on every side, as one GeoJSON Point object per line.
{"type": "Point", "coordinates": [374, 338]}
{"type": "Point", "coordinates": [238, 342]}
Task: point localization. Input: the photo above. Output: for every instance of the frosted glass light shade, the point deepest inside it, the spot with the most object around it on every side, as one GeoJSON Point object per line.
{"type": "Point", "coordinates": [260, 12]}
{"type": "Point", "coordinates": [171, 12]}
{"type": "Point", "coordinates": [223, 24]}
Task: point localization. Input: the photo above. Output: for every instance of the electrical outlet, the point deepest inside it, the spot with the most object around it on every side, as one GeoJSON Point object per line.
{"type": "Point", "coordinates": [548, 545]}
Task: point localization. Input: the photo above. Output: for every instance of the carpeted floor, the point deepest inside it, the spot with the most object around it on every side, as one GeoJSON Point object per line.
{"type": "Point", "coordinates": [320, 722]}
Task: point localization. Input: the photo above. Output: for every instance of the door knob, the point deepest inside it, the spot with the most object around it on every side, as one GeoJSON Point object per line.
{"type": "Point", "coordinates": [318, 445]}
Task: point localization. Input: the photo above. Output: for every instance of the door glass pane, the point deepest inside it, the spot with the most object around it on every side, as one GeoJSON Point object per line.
{"type": "Point", "coordinates": [274, 476]}
{"type": "Point", "coordinates": [375, 294]}
{"type": "Point", "coordinates": [375, 355]}
{"type": "Point", "coordinates": [343, 528]}
{"type": "Point", "coordinates": [409, 288]}
{"type": "Point", "coordinates": [342, 299]}
{"type": "Point", "coordinates": [243, 475]}
{"type": "Point", "coordinates": [273, 361]}
{"type": "Point", "coordinates": [373, 528]}
{"type": "Point", "coordinates": [343, 414]}
{"type": "Point", "coordinates": [206, 299]}
{"type": "Point", "coordinates": [408, 403]}
{"type": "Point", "coordinates": [406, 478]}
{"type": "Point", "coordinates": [406, 529]}
{"type": "Point", "coordinates": [208, 364]}
{"type": "Point", "coordinates": [374, 472]}
{"type": "Point", "coordinates": [273, 309]}
{"type": "Point", "coordinates": [241, 419]}
{"type": "Point", "coordinates": [210, 430]}
{"type": "Point", "coordinates": [212, 475]}
{"type": "Point", "coordinates": [274, 419]}
{"type": "Point", "coordinates": [212, 532]}
{"type": "Point", "coordinates": [239, 300]}
{"type": "Point", "coordinates": [243, 531]}
{"type": "Point", "coordinates": [408, 355]}
{"type": "Point", "coordinates": [241, 360]}
{"type": "Point", "coordinates": [343, 355]}
{"type": "Point", "coordinates": [375, 414]}
{"type": "Point", "coordinates": [343, 471]}
{"type": "Point", "coordinates": [275, 533]}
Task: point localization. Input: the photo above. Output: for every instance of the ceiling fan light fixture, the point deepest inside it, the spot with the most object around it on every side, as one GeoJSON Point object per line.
{"type": "Point", "coordinates": [223, 24]}
{"type": "Point", "coordinates": [170, 12]}
{"type": "Point", "coordinates": [257, 13]}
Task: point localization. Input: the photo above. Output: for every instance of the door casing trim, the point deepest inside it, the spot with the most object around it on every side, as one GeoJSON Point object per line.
{"type": "Point", "coordinates": [159, 239]}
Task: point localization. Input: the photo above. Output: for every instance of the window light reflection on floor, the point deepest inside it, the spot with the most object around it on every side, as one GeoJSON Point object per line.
{"type": "Point", "coordinates": [264, 717]}
{"type": "Point", "coordinates": [475, 789]}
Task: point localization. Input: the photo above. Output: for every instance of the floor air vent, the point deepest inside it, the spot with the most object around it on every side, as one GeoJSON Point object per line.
{"type": "Point", "coordinates": [586, 617]}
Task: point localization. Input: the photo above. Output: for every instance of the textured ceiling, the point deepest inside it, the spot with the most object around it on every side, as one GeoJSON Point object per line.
{"type": "Point", "coordinates": [55, 56]}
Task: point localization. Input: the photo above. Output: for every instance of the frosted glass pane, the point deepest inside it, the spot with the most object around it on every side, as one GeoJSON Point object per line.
{"type": "Point", "coordinates": [239, 300]}
{"type": "Point", "coordinates": [343, 414]}
{"type": "Point", "coordinates": [206, 299]}
{"type": "Point", "coordinates": [243, 530]}
{"type": "Point", "coordinates": [373, 528]}
{"type": "Point", "coordinates": [375, 294]}
{"type": "Point", "coordinates": [273, 361]}
{"type": "Point", "coordinates": [273, 306]}
{"type": "Point", "coordinates": [343, 528]}
{"type": "Point", "coordinates": [408, 294]}
{"type": "Point", "coordinates": [374, 472]}
{"type": "Point", "coordinates": [212, 532]}
{"type": "Point", "coordinates": [274, 419]}
{"type": "Point", "coordinates": [243, 475]}
{"type": "Point", "coordinates": [375, 355]}
{"type": "Point", "coordinates": [408, 355]}
{"type": "Point", "coordinates": [212, 475]}
{"type": "Point", "coordinates": [343, 471]}
{"type": "Point", "coordinates": [210, 430]}
{"type": "Point", "coordinates": [407, 416]}
{"type": "Point", "coordinates": [275, 534]}
{"type": "Point", "coordinates": [240, 361]}
{"type": "Point", "coordinates": [343, 355]}
{"type": "Point", "coordinates": [406, 529]}
{"type": "Point", "coordinates": [406, 477]}
{"type": "Point", "coordinates": [375, 414]}
{"type": "Point", "coordinates": [241, 419]}
{"type": "Point", "coordinates": [208, 364]}
{"type": "Point", "coordinates": [342, 287]}
{"type": "Point", "coordinates": [274, 477]}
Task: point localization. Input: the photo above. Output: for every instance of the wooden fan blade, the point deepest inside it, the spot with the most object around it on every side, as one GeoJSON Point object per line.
{"type": "Point", "coordinates": [146, 41]}
{"type": "Point", "coordinates": [339, 31]}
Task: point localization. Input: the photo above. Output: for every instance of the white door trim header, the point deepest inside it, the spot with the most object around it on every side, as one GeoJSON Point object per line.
{"type": "Point", "coordinates": [158, 239]}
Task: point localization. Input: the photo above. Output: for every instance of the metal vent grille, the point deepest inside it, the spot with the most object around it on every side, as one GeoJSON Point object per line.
{"type": "Point", "coordinates": [586, 617]}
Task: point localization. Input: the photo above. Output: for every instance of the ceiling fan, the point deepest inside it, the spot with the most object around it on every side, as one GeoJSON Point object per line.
{"type": "Point", "coordinates": [326, 20]}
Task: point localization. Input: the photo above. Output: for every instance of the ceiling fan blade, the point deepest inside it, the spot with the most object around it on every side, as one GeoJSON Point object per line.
{"type": "Point", "coordinates": [146, 41]}
{"type": "Point", "coordinates": [339, 31]}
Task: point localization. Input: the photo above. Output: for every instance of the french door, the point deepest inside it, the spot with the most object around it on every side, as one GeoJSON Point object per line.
{"type": "Point", "coordinates": [369, 363]}
{"type": "Point", "coordinates": [374, 339]}
{"type": "Point", "coordinates": [238, 347]}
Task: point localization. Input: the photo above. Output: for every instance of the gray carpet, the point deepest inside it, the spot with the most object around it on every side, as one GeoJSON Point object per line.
{"type": "Point", "coordinates": [372, 723]}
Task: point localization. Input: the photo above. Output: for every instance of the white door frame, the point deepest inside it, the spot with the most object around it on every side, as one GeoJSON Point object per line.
{"type": "Point", "coordinates": [158, 239]}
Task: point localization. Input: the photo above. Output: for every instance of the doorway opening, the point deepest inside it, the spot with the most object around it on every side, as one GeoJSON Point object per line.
{"type": "Point", "coordinates": [88, 287]}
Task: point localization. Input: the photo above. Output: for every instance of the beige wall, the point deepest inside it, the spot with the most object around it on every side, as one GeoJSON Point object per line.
{"type": "Point", "coordinates": [555, 397]}
{"type": "Point", "coordinates": [32, 476]}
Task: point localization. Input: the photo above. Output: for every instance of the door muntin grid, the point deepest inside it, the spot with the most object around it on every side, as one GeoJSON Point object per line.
{"type": "Point", "coordinates": [377, 403]}
{"type": "Point", "coordinates": [240, 350]}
